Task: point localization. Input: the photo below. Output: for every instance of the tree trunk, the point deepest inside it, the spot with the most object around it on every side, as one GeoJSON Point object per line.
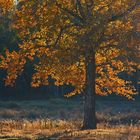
{"type": "Point", "coordinates": [89, 97]}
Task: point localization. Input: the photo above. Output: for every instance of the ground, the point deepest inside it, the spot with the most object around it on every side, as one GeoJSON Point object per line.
{"type": "Point", "coordinates": [62, 119]}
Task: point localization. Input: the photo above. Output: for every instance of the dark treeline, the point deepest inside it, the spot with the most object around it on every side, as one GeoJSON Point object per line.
{"type": "Point", "coordinates": [23, 90]}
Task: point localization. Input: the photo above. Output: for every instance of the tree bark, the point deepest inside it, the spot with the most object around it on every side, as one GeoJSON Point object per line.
{"type": "Point", "coordinates": [89, 97]}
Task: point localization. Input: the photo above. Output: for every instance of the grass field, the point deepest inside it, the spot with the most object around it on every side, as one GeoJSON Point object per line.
{"type": "Point", "coordinates": [62, 119]}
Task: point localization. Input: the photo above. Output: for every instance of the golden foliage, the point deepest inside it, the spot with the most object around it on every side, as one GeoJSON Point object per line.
{"type": "Point", "coordinates": [59, 32]}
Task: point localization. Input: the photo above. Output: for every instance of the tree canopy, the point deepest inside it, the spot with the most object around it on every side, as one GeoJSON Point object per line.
{"type": "Point", "coordinates": [57, 36]}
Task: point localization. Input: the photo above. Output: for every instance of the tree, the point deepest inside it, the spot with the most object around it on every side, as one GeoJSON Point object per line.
{"type": "Point", "coordinates": [7, 34]}
{"type": "Point", "coordinates": [84, 43]}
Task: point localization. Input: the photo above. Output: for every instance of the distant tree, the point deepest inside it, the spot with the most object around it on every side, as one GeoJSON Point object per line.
{"type": "Point", "coordinates": [7, 33]}
{"type": "Point", "coordinates": [85, 43]}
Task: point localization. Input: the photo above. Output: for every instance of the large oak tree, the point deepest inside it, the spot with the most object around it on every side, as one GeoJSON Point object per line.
{"type": "Point", "coordinates": [85, 43]}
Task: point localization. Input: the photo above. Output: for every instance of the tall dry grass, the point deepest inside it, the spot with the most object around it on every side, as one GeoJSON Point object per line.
{"type": "Point", "coordinates": [62, 119]}
{"type": "Point", "coordinates": [61, 129]}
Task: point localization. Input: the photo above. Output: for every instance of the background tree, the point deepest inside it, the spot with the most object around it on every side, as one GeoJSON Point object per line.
{"type": "Point", "coordinates": [83, 43]}
{"type": "Point", "coordinates": [7, 33]}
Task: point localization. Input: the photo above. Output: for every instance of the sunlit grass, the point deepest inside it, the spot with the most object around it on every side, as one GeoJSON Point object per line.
{"type": "Point", "coordinates": [62, 129]}
{"type": "Point", "coordinates": [62, 119]}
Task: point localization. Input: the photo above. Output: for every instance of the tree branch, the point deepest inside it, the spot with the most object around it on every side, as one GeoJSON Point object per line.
{"type": "Point", "coordinates": [89, 6]}
{"type": "Point", "coordinates": [60, 34]}
{"type": "Point", "coordinates": [58, 37]}
{"type": "Point", "coordinates": [129, 10]}
{"type": "Point", "coordinates": [70, 12]}
{"type": "Point", "coordinates": [80, 8]}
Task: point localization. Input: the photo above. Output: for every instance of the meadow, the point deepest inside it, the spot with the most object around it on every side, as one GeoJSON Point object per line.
{"type": "Point", "coordinates": [62, 119]}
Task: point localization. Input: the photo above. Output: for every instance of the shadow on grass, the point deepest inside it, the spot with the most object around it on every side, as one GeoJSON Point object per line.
{"type": "Point", "coordinates": [58, 135]}
{"type": "Point", "coordinates": [13, 138]}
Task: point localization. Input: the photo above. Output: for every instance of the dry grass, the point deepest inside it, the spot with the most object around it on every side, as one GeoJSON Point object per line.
{"type": "Point", "coordinates": [61, 119]}
{"type": "Point", "coordinates": [60, 129]}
